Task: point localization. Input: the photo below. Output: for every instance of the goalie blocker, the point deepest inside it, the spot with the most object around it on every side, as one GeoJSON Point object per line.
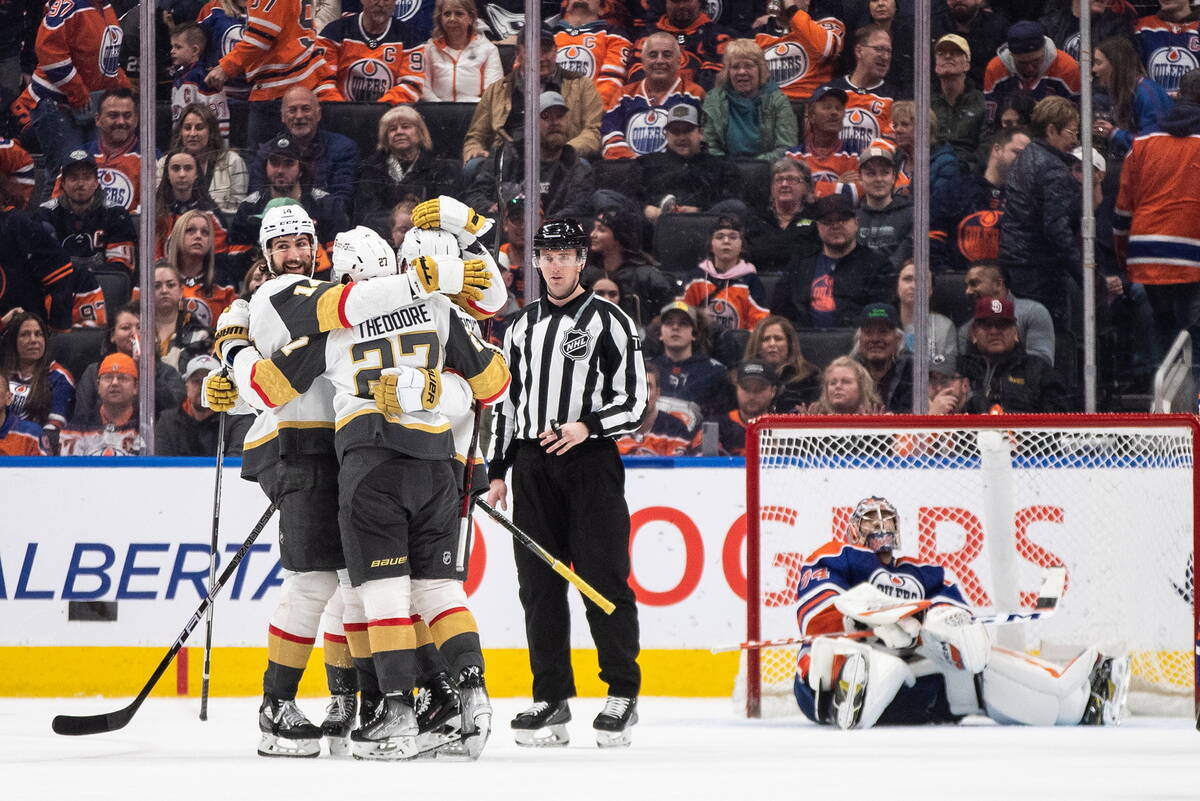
{"type": "Point", "coordinates": [925, 666]}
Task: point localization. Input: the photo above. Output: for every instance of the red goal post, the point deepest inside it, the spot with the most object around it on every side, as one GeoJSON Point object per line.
{"type": "Point", "coordinates": [1113, 498]}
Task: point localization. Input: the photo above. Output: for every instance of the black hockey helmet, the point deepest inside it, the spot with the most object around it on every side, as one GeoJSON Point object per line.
{"type": "Point", "coordinates": [561, 235]}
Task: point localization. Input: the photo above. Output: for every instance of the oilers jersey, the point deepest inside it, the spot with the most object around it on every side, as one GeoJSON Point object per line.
{"type": "Point", "coordinates": [732, 303]}
{"type": "Point", "coordinates": [837, 567]}
{"type": "Point", "coordinates": [868, 114]}
{"type": "Point", "coordinates": [189, 87]}
{"type": "Point", "coordinates": [278, 51]}
{"type": "Point", "coordinates": [17, 164]}
{"type": "Point", "coordinates": [224, 31]}
{"type": "Point", "coordinates": [596, 52]}
{"type": "Point", "coordinates": [806, 56]}
{"type": "Point", "coordinates": [37, 275]}
{"type": "Point", "coordinates": [368, 68]}
{"type": "Point", "coordinates": [635, 125]}
{"type": "Point", "coordinates": [78, 51]}
{"type": "Point", "coordinates": [827, 167]}
{"type": "Point", "coordinates": [119, 174]}
{"type": "Point", "coordinates": [702, 45]}
{"type": "Point", "coordinates": [1168, 50]}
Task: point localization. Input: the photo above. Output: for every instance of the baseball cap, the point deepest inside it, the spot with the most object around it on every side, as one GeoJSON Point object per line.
{"type": "Point", "coordinates": [878, 149]}
{"type": "Point", "coordinates": [994, 309]}
{"type": "Point", "coordinates": [1097, 159]}
{"type": "Point", "coordinates": [942, 365]}
{"type": "Point", "coordinates": [829, 89]}
{"type": "Point", "coordinates": [118, 363]}
{"type": "Point", "coordinates": [202, 363]}
{"type": "Point", "coordinates": [879, 313]}
{"type": "Point", "coordinates": [78, 158]}
{"type": "Point", "coordinates": [835, 205]}
{"type": "Point", "coordinates": [754, 369]}
{"type": "Point", "coordinates": [283, 147]}
{"type": "Point", "coordinates": [953, 40]}
{"type": "Point", "coordinates": [1026, 36]}
{"type": "Point", "coordinates": [683, 112]}
{"type": "Point", "coordinates": [550, 100]}
{"type": "Point", "coordinates": [679, 306]}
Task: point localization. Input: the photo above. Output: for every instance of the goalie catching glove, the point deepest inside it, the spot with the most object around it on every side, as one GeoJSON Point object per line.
{"type": "Point", "coordinates": [454, 216]}
{"type": "Point", "coordinates": [452, 276]}
{"type": "Point", "coordinates": [408, 389]}
{"type": "Point", "coordinates": [233, 331]}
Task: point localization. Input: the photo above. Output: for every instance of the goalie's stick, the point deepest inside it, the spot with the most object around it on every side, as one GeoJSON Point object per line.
{"type": "Point", "coordinates": [1053, 584]}
{"type": "Point", "coordinates": [558, 567]}
{"type": "Point", "coordinates": [111, 721]}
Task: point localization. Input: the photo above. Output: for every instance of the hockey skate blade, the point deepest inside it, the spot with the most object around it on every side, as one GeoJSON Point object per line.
{"type": "Point", "coordinates": [615, 739]}
{"type": "Point", "coordinates": [390, 750]}
{"type": "Point", "coordinates": [338, 746]}
{"type": "Point", "coordinates": [269, 745]}
{"type": "Point", "coordinates": [555, 736]}
{"type": "Point", "coordinates": [474, 740]}
{"type": "Point", "coordinates": [850, 692]}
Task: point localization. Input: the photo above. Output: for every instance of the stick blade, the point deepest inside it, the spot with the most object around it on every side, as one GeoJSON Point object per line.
{"type": "Point", "coordinates": [77, 725]}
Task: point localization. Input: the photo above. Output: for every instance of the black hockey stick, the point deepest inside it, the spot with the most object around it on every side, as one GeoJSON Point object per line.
{"type": "Point", "coordinates": [212, 565]}
{"type": "Point", "coordinates": [111, 721]}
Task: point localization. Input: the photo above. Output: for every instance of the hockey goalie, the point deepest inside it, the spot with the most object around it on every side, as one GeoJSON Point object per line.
{"type": "Point", "coordinates": [896, 643]}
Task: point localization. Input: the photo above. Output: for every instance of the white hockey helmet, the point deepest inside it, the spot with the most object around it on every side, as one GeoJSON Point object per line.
{"type": "Point", "coordinates": [875, 524]}
{"type": "Point", "coordinates": [427, 242]}
{"type": "Point", "coordinates": [284, 219]}
{"type": "Point", "coordinates": [360, 253]}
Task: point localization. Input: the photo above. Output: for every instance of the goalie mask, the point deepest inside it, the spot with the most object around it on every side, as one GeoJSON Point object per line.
{"type": "Point", "coordinates": [875, 525]}
{"type": "Point", "coordinates": [432, 242]}
{"type": "Point", "coordinates": [360, 253]}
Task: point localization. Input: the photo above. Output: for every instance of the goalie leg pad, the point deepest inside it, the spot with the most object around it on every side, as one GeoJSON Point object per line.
{"type": "Point", "coordinates": [884, 674]}
{"type": "Point", "coordinates": [1022, 690]}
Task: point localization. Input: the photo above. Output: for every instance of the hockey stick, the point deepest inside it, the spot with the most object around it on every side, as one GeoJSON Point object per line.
{"type": "Point", "coordinates": [570, 575]}
{"type": "Point", "coordinates": [1044, 606]}
{"type": "Point", "coordinates": [464, 514]}
{"type": "Point", "coordinates": [111, 721]}
{"type": "Point", "coordinates": [212, 565]}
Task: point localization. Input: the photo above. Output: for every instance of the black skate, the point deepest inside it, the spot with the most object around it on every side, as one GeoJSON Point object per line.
{"type": "Point", "coordinates": [339, 720]}
{"type": "Point", "coordinates": [543, 725]}
{"type": "Point", "coordinates": [438, 715]}
{"type": "Point", "coordinates": [614, 723]}
{"type": "Point", "coordinates": [285, 732]}
{"type": "Point", "coordinates": [390, 734]}
{"type": "Point", "coordinates": [367, 707]}
{"type": "Point", "coordinates": [1109, 682]}
{"type": "Point", "coordinates": [849, 692]}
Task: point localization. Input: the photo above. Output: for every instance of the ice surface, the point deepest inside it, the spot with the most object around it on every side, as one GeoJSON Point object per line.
{"type": "Point", "coordinates": [683, 748]}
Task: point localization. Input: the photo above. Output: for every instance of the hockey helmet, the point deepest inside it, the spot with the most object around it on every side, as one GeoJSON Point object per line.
{"type": "Point", "coordinates": [432, 242]}
{"type": "Point", "coordinates": [360, 253]}
{"type": "Point", "coordinates": [284, 219]}
{"type": "Point", "coordinates": [874, 524]}
{"type": "Point", "coordinates": [561, 235]}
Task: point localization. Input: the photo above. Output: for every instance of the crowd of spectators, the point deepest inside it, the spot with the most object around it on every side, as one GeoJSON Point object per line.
{"type": "Point", "coordinates": [746, 177]}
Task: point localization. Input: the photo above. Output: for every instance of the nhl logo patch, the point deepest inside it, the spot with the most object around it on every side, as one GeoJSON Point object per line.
{"type": "Point", "coordinates": [576, 343]}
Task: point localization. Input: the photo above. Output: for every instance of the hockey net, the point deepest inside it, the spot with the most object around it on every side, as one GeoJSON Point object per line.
{"type": "Point", "coordinates": [1111, 498]}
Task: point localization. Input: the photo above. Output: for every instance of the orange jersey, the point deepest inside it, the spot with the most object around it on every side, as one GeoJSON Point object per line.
{"type": "Point", "coordinates": [278, 51]}
{"type": "Point", "coordinates": [805, 57]}
{"type": "Point", "coordinates": [730, 303]}
{"type": "Point", "coordinates": [370, 69]}
{"type": "Point", "coordinates": [827, 167]}
{"type": "Point", "coordinates": [667, 437]}
{"type": "Point", "coordinates": [206, 307]}
{"type": "Point", "coordinates": [16, 170]}
{"type": "Point", "coordinates": [597, 53]}
{"type": "Point", "coordinates": [868, 114]}
{"type": "Point", "coordinates": [20, 437]}
{"type": "Point", "coordinates": [119, 174]}
{"type": "Point", "coordinates": [78, 51]}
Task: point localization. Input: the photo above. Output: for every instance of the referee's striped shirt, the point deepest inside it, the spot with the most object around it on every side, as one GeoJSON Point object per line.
{"type": "Point", "coordinates": [578, 362]}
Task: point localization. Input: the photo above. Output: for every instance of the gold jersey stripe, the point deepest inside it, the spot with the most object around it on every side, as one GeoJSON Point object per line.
{"type": "Point", "coordinates": [399, 637]}
{"type": "Point", "coordinates": [360, 644]}
{"type": "Point", "coordinates": [488, 384]}
{"type": "Point", "coordinates": [338, 654]}
{"type": "Point", "coordinates": [428, 429]}
{"type": "Point", "coordinates": [293, 424]}
{"type": "Point", "coordinates": [272, 384]}
{"type": "Point", "coordinates": [329, 304]}
{"type": "Point", "coordinates": [424, 637]}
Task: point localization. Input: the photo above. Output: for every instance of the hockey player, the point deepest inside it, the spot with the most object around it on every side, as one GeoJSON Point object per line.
{"type": "Point", "coordinates": [926, 660]}
{"type": "Point", "coordinates": [290, 452]}
{"type": "Point", "coordinates": [402, 439]}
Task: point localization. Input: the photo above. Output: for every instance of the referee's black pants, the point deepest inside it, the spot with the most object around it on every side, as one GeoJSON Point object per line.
{"type": "Point", "coordinates": [574, 506]}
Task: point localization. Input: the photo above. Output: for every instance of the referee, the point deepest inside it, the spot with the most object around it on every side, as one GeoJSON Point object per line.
{"type": "Point", "coordinates": [578, 381]}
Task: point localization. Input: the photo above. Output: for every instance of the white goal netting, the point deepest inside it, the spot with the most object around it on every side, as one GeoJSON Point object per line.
{"type": "Point", "coordinates": [1111, 499]}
